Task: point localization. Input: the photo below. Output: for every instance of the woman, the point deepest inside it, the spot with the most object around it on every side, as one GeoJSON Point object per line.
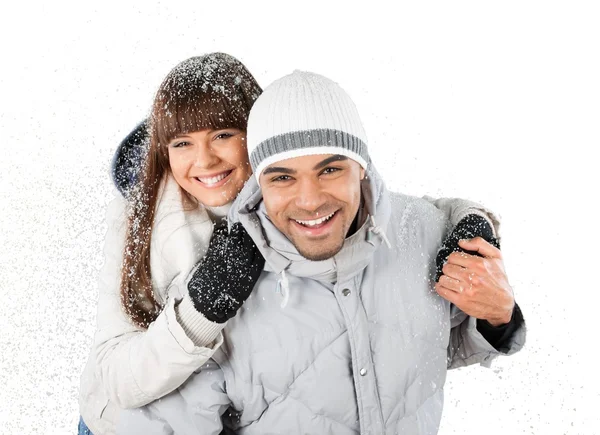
{"type": "Point", "coordinates": [150, 334]}
{"type": "Point", "coordinates": [153, 333]}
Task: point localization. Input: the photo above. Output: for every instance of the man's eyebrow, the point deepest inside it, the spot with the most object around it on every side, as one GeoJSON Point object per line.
{"type": "Point", "coordinates": [328, 160]}
{"type": "Point", "coordinates": [273, 169]}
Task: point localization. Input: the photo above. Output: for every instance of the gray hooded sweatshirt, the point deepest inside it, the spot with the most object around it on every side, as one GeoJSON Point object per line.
{"type": "Point", "coordinates": [358, 343]}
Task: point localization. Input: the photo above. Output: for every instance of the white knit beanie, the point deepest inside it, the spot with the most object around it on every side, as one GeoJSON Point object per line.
{"type": "Point", "coordinates": [304, 114]}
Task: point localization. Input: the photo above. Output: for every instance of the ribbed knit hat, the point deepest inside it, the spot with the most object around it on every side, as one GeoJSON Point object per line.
{"type": "Point", "coordinates": [304, 114]}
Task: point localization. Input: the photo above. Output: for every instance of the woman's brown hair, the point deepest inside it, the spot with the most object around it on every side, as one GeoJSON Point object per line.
{"type": "Point", "coordinates": [213, 91]}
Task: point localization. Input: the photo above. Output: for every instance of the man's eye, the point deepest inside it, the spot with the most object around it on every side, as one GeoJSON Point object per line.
{"type": "Point", "coordinates": [281, 178]}
{"type": "Point", "coordinates": [330, 170]}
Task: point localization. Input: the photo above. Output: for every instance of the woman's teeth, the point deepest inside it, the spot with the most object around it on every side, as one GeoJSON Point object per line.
{"type": "Point", "coordinates": [213, 180]}
{"type": "Point", "coordinates": [315, 222]}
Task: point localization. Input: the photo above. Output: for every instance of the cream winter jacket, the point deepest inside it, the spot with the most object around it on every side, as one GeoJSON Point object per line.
{"type": "Point", "coordinates": [128, 366]}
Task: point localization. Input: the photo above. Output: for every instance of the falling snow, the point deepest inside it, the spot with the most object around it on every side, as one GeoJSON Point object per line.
{"type": "Point", "coordinates": [496, 103]}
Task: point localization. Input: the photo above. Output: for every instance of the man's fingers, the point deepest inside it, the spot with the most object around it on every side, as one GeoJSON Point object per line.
{"type": "Point", "coordinates": [449, 295]}
{"type": "Point", "coordinates": [451, 284]}
{"type": "Point", "coordinates": [481, 246]}
{"type": "Point", "coordinates": [454, 271]}
{"type": "Point", "coordinates": [461, 259]}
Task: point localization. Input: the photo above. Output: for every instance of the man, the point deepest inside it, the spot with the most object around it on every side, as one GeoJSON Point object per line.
{"type": "Point", "coordinates": [346, 330]}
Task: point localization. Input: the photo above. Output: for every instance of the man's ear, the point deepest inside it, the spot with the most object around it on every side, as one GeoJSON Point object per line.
{"type": "Point", "coordinates": [362, 173]}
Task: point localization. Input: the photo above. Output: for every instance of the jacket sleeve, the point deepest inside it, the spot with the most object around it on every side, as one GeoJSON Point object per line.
{"type": "Point", "coordinates": [455, 209]}
{"type": "Point", "coordinates": [467, 346]}
{"type": "Point", "coordinates": [499, 336]}
{"type": "Point", "coordinates": [138, 366]}
{"type": "Point", "coordinates": [194, 409]}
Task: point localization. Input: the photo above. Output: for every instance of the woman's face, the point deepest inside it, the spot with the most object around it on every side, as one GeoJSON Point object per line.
{"type": "Point", "coordinates": [211, 165]}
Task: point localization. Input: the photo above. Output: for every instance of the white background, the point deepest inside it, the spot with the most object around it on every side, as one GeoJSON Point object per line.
{"type": "Point", "coordinates": [498, 102]}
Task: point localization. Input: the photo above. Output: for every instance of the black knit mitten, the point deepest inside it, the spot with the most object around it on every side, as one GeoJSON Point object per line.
{"type": "Point", "coordinates": [469, 227]}
{"type": "Point", "coordinates": [226, 275]}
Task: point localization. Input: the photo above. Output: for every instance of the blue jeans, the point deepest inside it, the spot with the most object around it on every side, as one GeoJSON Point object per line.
{"type": "Point", "coordinates": [82, 429]}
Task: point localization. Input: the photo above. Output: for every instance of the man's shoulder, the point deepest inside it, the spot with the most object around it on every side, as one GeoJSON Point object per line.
{"type": "Point", "coordinates": [415, 210]}
{"type": "Point", "coordinates": [415, 223]}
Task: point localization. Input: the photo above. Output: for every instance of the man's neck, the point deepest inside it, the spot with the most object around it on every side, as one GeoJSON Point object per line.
{"type": "Point", "coordinates": [358, 221]}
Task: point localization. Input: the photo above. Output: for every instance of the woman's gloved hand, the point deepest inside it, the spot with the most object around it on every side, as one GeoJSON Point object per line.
{"type": "Point", "coordinates": [225, 277]}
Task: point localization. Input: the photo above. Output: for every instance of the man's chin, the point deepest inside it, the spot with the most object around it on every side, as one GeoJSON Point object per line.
{"type": "Point", "coordinates": [318, 253]}
{"type": "Point", "coordinates": [315, 248]}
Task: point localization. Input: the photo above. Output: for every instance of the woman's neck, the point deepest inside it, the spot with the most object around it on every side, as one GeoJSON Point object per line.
{"type": "Point", "coordinates": [218, 213]}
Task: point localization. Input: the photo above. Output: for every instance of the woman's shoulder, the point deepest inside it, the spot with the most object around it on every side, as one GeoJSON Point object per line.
{"type": "Point", "coordinates": [171, 212]}
{"type": "Point", "coordinates": [116, 213]}
{"type": "Point", "coordinates": [180, 236]}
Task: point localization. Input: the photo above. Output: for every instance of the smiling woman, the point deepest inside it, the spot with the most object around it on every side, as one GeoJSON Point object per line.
{"type": "Point", "coordinates": [151, 333]}
{"type": "Point", "coordinates": [211, 165]}
{"type": "Point", "coordinates": [197, 132]}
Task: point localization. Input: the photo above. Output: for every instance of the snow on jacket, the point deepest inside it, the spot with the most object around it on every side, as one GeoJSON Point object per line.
{"type": "Point", "coordinates": [359, 343]}
{"type": "Point", "coordinates": [128, 366]}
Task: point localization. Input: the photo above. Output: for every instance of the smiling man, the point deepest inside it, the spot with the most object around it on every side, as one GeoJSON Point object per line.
{"type": "Point", "coordinates": [314, 201]}
{"type": "Point", "coordinates": [346, 330]}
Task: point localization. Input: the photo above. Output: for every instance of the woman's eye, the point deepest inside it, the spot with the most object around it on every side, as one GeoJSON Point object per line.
{"type": "Point", "coordinates": [180, 144]}
{"type": "Point", "coordinates": [223, 136]}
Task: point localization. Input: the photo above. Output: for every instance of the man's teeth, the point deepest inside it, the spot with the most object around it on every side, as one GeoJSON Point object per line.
{"type": "Point", "coordinates": [315, 221]}
{"type": "Point", "coordinates": [215, 179]}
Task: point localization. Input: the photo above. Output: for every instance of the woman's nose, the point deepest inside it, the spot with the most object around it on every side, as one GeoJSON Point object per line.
{"type": "Point", "coordinates": [205, 157]}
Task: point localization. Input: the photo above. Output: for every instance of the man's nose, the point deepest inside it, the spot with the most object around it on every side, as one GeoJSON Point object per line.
{"type": "Point", "coordinates": [310, 195]}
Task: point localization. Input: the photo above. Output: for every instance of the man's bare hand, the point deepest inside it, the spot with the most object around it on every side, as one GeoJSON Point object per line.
{"type": "Point", "coordinates": [478, 285]}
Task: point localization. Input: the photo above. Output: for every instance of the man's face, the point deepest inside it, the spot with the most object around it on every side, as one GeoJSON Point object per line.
{"type": "Point", "coordinates": [313, 200]}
